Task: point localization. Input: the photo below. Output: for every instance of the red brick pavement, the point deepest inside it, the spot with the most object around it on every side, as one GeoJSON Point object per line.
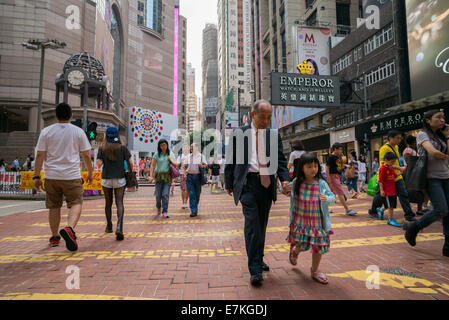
{"type": "Point", "coordinates": [205, 257]}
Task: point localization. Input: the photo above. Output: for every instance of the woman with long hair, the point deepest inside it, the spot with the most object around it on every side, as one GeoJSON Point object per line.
{"type": "Point", "coordinates": [433, 140]}
{"type": "Point", "coordinates": [112, 156]}
{"type": "Point", "coordinates": [160, 175]}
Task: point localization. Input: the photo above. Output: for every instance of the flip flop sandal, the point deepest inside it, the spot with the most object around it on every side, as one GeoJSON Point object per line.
{"type": "Point", "coordinates": [320, 277]}
{"type": "Point", "coordinates": [293, 257]}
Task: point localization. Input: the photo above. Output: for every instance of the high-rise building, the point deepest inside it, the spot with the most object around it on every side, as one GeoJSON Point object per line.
{"type": "Point", "coordinates": [210, 76]}
{"type": "Point", "coordinates": [182, 74]}
{"type": "Point", "coordinates": [234, 53]}
{"type": "Point", "coordinates": [190, 78]}
{"type": "Point", "coordinates": [133, 40]}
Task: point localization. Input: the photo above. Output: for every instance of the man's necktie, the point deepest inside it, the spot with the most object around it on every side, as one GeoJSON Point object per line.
{"type": "Point", "coordinates": [262, 161]}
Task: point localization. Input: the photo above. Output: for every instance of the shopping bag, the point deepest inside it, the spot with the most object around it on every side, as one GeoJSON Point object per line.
{"type": "Point", "coordinates": [373, 185]}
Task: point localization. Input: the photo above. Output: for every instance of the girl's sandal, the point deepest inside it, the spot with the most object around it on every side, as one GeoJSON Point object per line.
{"type": "Point", "coordinates": [320, 277]}
{"type": "Point", "coordinates": [293, 257]}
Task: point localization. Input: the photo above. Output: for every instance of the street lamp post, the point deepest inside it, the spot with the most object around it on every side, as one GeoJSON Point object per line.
{"type": "Point", "coordinates": [42, 45]}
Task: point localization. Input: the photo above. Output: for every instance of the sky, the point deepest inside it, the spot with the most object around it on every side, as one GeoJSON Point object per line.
{"type": "Point", "coordinates": [198, 14]}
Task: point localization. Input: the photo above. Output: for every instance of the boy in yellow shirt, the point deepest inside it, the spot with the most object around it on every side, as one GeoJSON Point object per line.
{"type": "Point", "coordinates": [394, 139]}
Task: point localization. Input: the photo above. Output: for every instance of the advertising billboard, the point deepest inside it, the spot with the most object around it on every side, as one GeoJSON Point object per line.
{"type": "Point", "coordinates": [312, 47]}
{"type": "Point", "coordinates": [293, 89]}
{"type": "Point", "coordinates": [428, 46]}
{"type": "Point", "coordinates": [147, 127]}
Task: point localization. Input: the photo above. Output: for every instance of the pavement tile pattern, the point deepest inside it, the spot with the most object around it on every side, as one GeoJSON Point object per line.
{"type": "Point", "coordinates": [204, 258]}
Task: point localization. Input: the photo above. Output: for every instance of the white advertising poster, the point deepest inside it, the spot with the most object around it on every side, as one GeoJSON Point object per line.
{"type": "Point", "coordinates": [147, 127]}
{"type": "Point", "coordinates": [313, 47]}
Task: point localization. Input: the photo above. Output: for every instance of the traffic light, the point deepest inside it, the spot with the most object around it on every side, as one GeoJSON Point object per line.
{"type": "Point", "coordinates": [77, 122]}
{"type": "Point", "coordinates": [91, 130]}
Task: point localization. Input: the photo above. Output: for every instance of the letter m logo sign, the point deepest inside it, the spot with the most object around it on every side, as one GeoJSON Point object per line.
{"type": "Point", "coordinates": [310, 38]}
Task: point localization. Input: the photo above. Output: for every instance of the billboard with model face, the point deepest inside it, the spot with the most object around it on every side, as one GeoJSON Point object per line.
{"type": "Point", "coordinates": [428, 45]}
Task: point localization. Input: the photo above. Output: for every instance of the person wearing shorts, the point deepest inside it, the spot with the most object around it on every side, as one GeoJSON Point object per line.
{"type": "Point", "coordinates": [215, 175]}
{"type": "Point", "coordinates": [59, 147]}
{"type": "Point", "coordinates": [387, 188]}
{"type": "Point", "coordinates": [334, 168]}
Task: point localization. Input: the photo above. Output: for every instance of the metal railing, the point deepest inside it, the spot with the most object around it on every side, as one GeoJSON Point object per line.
{"type": "Point", "coordinates": [10, 184]}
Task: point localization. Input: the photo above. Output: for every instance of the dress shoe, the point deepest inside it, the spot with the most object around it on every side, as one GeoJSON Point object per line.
{"type": "Point", "coordinates": [265, 267]}
{"type": "Point", "coordinates": [256, 280]}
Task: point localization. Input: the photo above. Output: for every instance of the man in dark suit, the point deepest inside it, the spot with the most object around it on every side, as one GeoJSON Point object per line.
{"type": "Point", "coordinates": [250, 176]}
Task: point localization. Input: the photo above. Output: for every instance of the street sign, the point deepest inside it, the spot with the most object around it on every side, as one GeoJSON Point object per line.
{"type": "Point", "coordinates": [294, 89]}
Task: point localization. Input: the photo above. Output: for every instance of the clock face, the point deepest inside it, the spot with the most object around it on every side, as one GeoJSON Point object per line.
{"type": "Point", "coordinates": [75, 78]}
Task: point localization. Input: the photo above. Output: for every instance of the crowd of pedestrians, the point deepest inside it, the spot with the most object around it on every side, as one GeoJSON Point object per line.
{"type": "Point", "coordinates": [311, 186]}
{"type": "Point", "coordinates": [16, 165]}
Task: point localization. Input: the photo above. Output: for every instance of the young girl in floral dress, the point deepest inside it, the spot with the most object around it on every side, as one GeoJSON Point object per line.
{"type": "Point", "coordinates": [310, 224]}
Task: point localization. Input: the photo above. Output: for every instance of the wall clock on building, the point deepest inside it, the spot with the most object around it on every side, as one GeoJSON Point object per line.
{"type": "Point", "coordinates": [76, 77]}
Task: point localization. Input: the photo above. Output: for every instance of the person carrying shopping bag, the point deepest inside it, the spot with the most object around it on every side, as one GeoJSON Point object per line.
{"type": "Point", "coordinates": [161, 176]}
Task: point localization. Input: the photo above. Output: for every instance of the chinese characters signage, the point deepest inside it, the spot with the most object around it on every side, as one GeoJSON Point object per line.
{"type": "Point", "coordinates": [27, 180]}
{"type": "Point", "coordinates": [294, 89]}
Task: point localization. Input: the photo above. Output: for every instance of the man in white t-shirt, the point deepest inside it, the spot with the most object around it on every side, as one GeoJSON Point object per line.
{"type": "Point", "coordinates": [59, 147]}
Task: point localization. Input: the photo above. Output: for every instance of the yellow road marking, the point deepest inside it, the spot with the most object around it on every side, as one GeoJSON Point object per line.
{"type": "Point", "coordinates": [64, 296]}
{"type": "Point", "coordinates": [336, 244]}
{"type": "Point", "coordinates": [143, 222]}
{"type": "Point", "coordinates": [396, 281]}
{"type": "Point", "coordinates": [182, 234]}
{"type": "Point", "coordinates": [208, 253]}
{"type": "Point", "coordinates": [198, 221]}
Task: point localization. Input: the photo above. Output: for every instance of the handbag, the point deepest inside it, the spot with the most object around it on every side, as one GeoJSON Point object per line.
{"type": "Point", "coordinates": [416, 174]}
{"type": "Point", "coordinates": [203, 176]}
{"type": "Point", "coordinates": [174, 172]}
{"type": "Point", "coordinates": [130, 176]}
{"type": "Point", "coordinates": [350, 172]}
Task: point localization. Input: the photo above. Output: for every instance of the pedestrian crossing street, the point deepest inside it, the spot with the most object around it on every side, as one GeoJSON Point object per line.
{"type": "Point", "coordinates": [215, 238]}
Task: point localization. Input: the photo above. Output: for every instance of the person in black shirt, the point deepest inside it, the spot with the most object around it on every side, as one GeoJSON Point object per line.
{"type": "Point", "coordinates": [112, 156]}
{"type": "Point", "coordinates": [215, 169]}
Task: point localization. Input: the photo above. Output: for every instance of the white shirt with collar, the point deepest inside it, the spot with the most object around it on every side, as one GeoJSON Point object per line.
{"type": "Point", "coordinates": [253, 163]}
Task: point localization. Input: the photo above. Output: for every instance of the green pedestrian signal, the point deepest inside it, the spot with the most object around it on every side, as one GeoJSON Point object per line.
{"type": "Point", "coordinates": [91, 130]}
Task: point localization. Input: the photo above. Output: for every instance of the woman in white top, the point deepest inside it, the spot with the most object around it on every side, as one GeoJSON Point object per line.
{"type": "Point", "coordinates": [182, 160]}
{"type": "Point", "coordinates": [298, 151]}
{"type": "Point", "coordinates": [362, 173]}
